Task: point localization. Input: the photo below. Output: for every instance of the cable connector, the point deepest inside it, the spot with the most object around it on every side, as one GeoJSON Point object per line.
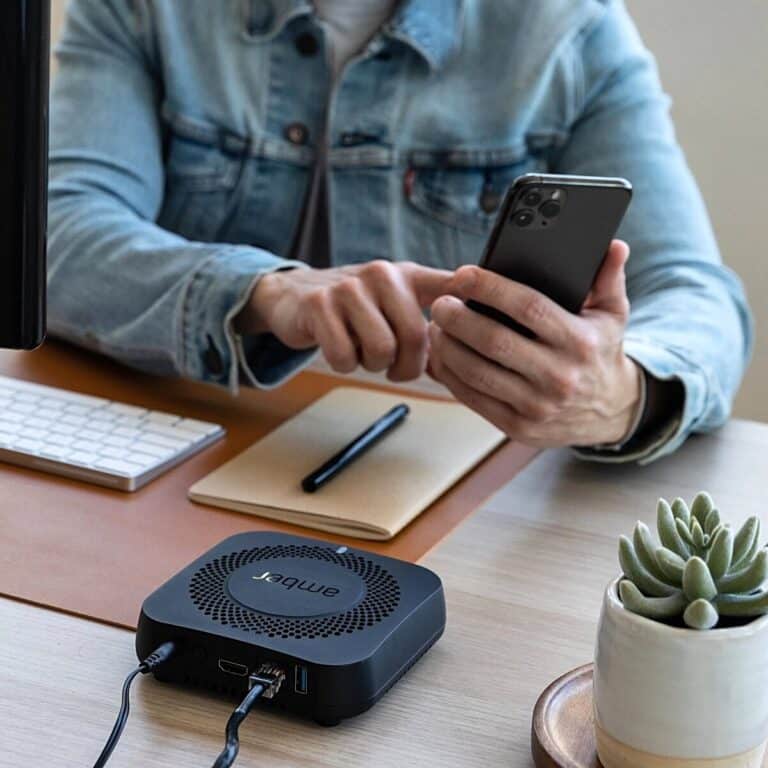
{"type": "Point", "coordinates": [157, 657]}
{"type": "Point", "coordinates": [270, 677]}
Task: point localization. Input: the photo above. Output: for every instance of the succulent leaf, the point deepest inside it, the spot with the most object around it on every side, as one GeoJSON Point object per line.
{"type": "Point", "coordinates": [697, 581]}
{"type": "Point", "coordinates": [748, 579]}
{"type": "Point", "coordinates": [671, 565]}
{"type": "Point", "coordinates": [635, 571]}
{"type": "Point", "coordinates": [712, 521]}
{"type": "Point", "coordinates": [685, 533]}
{"type": "Point", "coordinates": [680, 511]}
{"type": "Point", "coordinates": [698, 534]}
{"type": "Point", "coordinates": [668, 532]}
{"type": "Point", "coordinates": [743, 605]}
{"type": "Point", "coordinates": [700, 614]}
{"type": "Point", "coordinates": [745, 541]}
{"type": "Point", "coordinates": [650, 607]}
{"type": "Point", "coordinates": [720, 553]}
{"type": "Point", "coordinates": [702, 506]}
{"type": "Point", "coordinates": [645, 547]}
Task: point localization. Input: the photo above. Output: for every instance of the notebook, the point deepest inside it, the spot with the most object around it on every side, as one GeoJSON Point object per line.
{"type": "Point", "coordinates": [381, 492]}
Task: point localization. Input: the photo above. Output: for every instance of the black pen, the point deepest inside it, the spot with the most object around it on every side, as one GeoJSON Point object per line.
{"type": "Point", "coordinates": [355, 449]}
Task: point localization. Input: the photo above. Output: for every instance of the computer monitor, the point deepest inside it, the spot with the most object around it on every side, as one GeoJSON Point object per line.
{"type": "Point", "coordinates": [24, 71]}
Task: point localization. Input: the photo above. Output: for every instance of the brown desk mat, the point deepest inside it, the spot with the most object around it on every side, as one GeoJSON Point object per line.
{"type": "Point", "coordinates": [98, 553]}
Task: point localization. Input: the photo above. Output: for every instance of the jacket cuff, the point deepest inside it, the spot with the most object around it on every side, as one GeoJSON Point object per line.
{"type": "Point", "coordinates": [664, 364]}
{"type": "Point", "coordinates": [217, 292]}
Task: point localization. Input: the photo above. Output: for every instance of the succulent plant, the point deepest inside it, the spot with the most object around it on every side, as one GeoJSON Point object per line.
{"type": "Point", "coordinates": [701, 571]}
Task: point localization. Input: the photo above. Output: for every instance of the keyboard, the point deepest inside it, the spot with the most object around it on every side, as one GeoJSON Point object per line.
{"type": "Point", "coordinates": [89, 438]}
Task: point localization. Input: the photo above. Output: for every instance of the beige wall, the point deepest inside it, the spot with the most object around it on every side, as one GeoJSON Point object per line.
{"type": "Point", "coordinates": [714, 63]}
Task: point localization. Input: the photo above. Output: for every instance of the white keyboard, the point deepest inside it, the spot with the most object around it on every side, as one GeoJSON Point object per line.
{"type": "Point", "coordinates": [89, 438]}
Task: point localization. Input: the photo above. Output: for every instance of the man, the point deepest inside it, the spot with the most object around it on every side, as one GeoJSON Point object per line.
{"type": "Point", "coordinates": [235, 183]}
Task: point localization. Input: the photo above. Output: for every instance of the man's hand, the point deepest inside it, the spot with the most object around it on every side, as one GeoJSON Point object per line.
{"type": "Point", "coordinates": [368, 314]}
{"type": "Point", "coordinates": [571, 385]}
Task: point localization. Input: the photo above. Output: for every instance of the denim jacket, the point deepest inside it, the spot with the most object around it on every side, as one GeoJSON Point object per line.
{"type": "Point", "coordinates": [184, 134]}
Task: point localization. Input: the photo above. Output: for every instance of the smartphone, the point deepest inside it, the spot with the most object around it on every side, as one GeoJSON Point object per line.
{"type": "Point", "coordinates": [552, 233]}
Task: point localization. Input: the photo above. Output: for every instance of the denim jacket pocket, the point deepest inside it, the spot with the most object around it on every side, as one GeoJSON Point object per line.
{"type": "Point", "coordinates": [200, 188]}
{"type": "Point", "coordinates": [457, 201]}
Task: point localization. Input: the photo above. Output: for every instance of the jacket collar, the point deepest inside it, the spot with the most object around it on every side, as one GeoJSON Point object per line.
{"type": "Point", "coordinates": [430, 27]}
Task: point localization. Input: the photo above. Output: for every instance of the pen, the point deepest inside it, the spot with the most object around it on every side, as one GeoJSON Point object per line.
{"type": "Point", "coordinates": [350, 453]}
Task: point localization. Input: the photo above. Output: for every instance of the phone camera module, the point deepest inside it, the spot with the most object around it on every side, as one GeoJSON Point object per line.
{"type": "Point", "coordinates": [550, 209]}
{"type": "Point", "coordinates": [524, 218]}
{"type": "Point", "coordinates": [532, 198]}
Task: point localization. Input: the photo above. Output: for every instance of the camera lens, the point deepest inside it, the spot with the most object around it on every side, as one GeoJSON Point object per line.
{"type": "Point", "coordinates": [550, 209]}
{"type": "Point", "coordinates": [532, 198]}
{"type": "Point", "coordinates": [523, 218]}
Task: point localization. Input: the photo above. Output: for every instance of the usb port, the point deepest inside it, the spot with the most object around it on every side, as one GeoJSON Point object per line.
{"type": "Point", "coordinates": [300, 679]}
{"type": "Point", "coordinates": [233, 668]}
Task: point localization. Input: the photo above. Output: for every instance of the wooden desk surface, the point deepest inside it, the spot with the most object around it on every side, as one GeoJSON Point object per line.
{"type": "Point", "coordinates": [523, 579]}
{"type": "Point", "coordinates": [92, 543]}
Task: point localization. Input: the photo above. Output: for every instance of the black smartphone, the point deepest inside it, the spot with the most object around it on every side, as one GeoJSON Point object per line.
{"type": "Point", "coordinates": [552, 233]}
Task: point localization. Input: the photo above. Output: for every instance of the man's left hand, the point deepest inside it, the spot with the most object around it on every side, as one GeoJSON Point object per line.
{"type": "Point", "coordinates": [570, 385]}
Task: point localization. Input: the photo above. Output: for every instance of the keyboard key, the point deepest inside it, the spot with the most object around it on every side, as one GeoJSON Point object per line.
{"type": "Point", "coordinates": [18, 407]}
{"type": "Point", "coordinates": [83, 458]}
{"type": "Point", "coordinates": [75, 421]}
{"type": "Point", "coordinates": [158, 451]}
{"type": "Point", "coordinates": [77, 409]}
{"type": "Point", "coordinates": [49, 413]}
{"type": "Point", "coordinates": [101, 426]}
{"type": "Point", "coordinates": [203, 427]}
{"type": "Point", "coordinates": [57, 439]}
{"type": "Point", "coordinates": [174, 432]}
{"type": "Point", "coordinates": [10, 426]}
{"type": "Point", "coordinates": [28, 446]}
{"type": "Point", "coordinates": [144, 459]}
{"type": "Point", "coordinates": [119, 467]}
{"type": "Point", "coordinates": [85, 445]}
{"type": "Point", "coordinates": [12, 416]}
{"type": "Point", "coordinates": [112, 452]}
{"type": "Point", "coordinates": [63, 429]}
{"type": "Point", "coordinates": [90, 434]}
{"type": "Point", "coordinates": [116, 441]}
{"type": "Point", "coordinates": [168, 442]}
{"type": "Point", "coordinates": [129, 432]}
{"type": "Point", "coordinates": [38, 423]}
{"type": "Point", "coordinates": [6, 438]}
{"type": "Point", "coordinates": [32, 434]}
{"type": "Point", "coordinates": [126, 410]}
{"type": "Point", "coordinates": [55, 451]}
{"type": "Point", "coordinates": [158, 417]}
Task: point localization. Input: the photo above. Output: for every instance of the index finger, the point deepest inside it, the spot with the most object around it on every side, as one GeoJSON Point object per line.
{"type": "Point", "coordinates": [531, 308]}
{"type": "Point", "coordinates": [428, 284]}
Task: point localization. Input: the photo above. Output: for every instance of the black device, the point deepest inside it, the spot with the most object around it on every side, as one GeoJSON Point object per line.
{"type": "Point", "coordinates": [552, 234]}
{"type": "Point", "coordinates": [342, 624]}
{"type": "Point", "coordinates": [24, 63]}
{"type": "Point", "coordinates": [355, 449]}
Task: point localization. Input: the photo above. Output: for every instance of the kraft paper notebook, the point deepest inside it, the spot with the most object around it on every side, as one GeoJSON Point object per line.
{"type": "Point", "coordinates": [381, 492]}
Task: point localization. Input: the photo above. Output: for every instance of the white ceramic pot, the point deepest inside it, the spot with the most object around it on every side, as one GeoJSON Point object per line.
{"type": "Point", "coordinates": [671, 697]}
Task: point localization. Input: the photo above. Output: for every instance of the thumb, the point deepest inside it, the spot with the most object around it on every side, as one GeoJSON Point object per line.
{"type": "Point", "coordinates": [428, 284]}
{"type": "Point", "coordinates": [609, 291]}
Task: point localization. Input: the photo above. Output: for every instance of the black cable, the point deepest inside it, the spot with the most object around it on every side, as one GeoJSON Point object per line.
{"type": "Point", "coordinates": [154, 660]}
{"type": "Point", "coordinates": [266, 682]}
{"type": "Point", "coordinates": [232, 746]}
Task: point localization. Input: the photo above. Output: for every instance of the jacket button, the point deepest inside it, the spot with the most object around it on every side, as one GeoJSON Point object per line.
{"type": "Point", "coordinates": [297, 133]}
{"type": "Point", "coordinates": [306, 44]}
{"type": "Point", "coordinates": [490, 200]}
{"type": "Point", "coordinates": [212, 359]}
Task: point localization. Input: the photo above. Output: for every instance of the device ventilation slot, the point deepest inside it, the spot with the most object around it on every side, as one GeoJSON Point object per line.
{"type": "Point", "coordinates": [382, 594]}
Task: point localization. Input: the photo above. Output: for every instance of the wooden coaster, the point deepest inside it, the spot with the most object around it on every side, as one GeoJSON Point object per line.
{"type": "Point", "coordinates": [563, 733]}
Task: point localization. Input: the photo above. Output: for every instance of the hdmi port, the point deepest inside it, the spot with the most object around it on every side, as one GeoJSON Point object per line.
{"type": "Point", "coordinates": [233, 668]}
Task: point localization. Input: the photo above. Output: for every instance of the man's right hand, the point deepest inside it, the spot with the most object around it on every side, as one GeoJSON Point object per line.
{"type": "Point", "coordinates": [364, 314]}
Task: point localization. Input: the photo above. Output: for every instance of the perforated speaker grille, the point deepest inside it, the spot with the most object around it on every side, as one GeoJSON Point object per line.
{"type": "Point", "coordinates": [382, 594]}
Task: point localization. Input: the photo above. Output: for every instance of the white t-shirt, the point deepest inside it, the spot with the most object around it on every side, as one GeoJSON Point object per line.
{"type": "Point", "coordinates": [349, 26]}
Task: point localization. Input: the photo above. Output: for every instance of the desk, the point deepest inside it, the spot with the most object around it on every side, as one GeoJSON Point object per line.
{"type": "Point", "coordinates": [523, 578]}
{"type": "Point", "coordinates": [86, 539]}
